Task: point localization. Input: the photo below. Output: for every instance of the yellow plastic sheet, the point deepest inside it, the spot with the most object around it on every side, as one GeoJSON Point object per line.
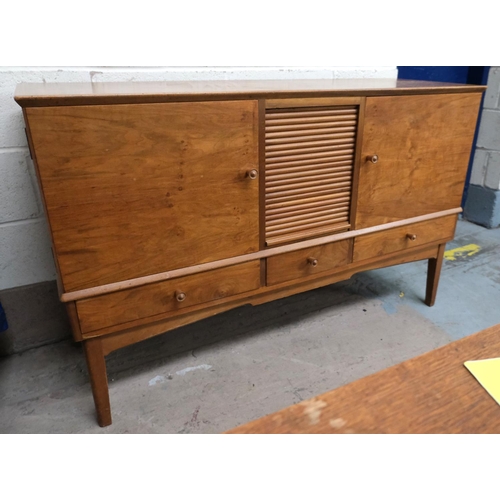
{"type": "Point", "coordinates": [487, 373]}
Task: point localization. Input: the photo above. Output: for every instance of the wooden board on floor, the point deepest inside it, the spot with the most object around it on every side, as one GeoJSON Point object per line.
{"type": "Point", "coordinates": [432, 393]}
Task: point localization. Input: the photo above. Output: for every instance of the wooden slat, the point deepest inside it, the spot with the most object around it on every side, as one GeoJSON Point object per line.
{"type": "Point", "coordinates": [314, 210]}
{"type": "Point", "coordinates": [302, 208]}
{"type": "Point", "coordinates": [336, 151]}
{"type": "Point", "coordinates": [307, 234]}
{"type": "Point", "coordinates": [341, 122]}
{"type": "Point", "coordinates": [272, 201]}
{"type": "Point", "coordinates": [309, 158]}
{"type": "Point", "coordinates": [316, 131]}
{"type": "Point", "coordinates": [305, 102]}
{"type": "Point", "coordinates": [306, 177]}
{"type": "Point", "coordinates": [308, 112]}
{"type": "Point", "coordinates": [291, 153]}
{"type": "Point", "coordinates": [314, 161]}
{"type": "Point", "coordinates": [317, 215]}
{"type": "Point", "coordinates": [344, 187]}
{"type": "Point", "coordinates": [294, 146]}
{"type": "Point", "coordinates": [313, 119]}
{"type": "Point", "coordinates": [311, 224]}
{"type": "Point", "coordinates": [303, 138]}
{"type": "Point", "coordinates": [307, 172]}
{"type": "Point", "coordinates": [308, 166]}
{"type": "Point", "coordinates": [300, 184]}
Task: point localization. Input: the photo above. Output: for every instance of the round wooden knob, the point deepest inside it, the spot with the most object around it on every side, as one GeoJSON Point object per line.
{"type": "Point", "coordinates": [372, 158]}
{"type": "Point", "coordinates": [252, 174]}
{"type": "Point", "coordinates": [411, 237]}
{"type": "Point", "coordinates": [180, 296]}
{"type": "Point", "coordinates": [312, 261]}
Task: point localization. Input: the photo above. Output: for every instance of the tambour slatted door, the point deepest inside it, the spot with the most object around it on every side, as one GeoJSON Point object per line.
{"type": "Point", "coordinates": [309, 156]}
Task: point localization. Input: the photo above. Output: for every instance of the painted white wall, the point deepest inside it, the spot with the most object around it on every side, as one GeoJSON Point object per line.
{"type": "Point", "coordinates": [25, 254]}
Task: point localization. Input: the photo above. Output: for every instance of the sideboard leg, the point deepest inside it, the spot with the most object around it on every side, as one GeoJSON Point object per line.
{"type": "Point", "coordinates": [433, 273]}
{"type": "Point", "coordinates": [96, 364]}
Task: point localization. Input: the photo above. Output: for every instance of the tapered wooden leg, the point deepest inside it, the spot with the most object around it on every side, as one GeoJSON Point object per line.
{"type": "Point", "coordinates": [433, 273]}
{"type": "Point", "coordinates": [96, 365]}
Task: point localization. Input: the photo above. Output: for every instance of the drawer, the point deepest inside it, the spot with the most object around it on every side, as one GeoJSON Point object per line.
{"type": "Point", "coordinates": [403, 238]}
{"type": "Point", "coordinates": [303, 263]}
{"type": "Point", "coordinates": [167, 296]}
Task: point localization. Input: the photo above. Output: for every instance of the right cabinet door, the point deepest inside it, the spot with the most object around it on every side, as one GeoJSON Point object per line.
{"type": "Point", "coordinates": [423, 144]}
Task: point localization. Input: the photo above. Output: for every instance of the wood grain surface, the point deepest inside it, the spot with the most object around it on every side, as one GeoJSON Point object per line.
{"type": "Point", "coordinates": [149, 300]}
{"type": "Point", "coordinates": [135, 190]}
{"type": "Point", "coordinates": [394, 240]}
{"type": "Point", "coordinates": [295, 265]}
{"type": "Point", "coordinates": [423, 144]}
{"type": "Point", "coordinates": [62, 94]}
{"type": "Point", "coordinates": [432, 393]}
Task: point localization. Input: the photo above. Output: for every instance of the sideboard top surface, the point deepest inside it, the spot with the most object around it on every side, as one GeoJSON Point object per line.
{"type": "Point", "coordinates": [66, 94]}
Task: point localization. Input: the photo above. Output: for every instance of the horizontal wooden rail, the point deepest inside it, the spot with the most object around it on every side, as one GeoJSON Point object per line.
{"type": "Point", "coordinates": [262, 254]}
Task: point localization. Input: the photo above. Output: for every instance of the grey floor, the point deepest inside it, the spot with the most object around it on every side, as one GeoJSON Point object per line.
{"type": "Point", "coordinates": [221, 372]}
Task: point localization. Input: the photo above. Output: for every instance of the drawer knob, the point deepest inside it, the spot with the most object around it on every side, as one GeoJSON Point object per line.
{"type": "Point", "coordinates": [180, 296]}
{"type": "Point", "coordinates": [411, 237]}
{"type": "Point", "coordinates": [252, 174]}
{"type": "Point", "coordinates": [312, 261]}
{"type": "Point", "coordinates": [372, 158]}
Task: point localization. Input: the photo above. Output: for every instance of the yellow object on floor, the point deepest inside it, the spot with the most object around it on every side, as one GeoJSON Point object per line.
{"type": "Point", "coordinates": [462, 252]}
{"type": "Point", "coordinates": [487, 373]}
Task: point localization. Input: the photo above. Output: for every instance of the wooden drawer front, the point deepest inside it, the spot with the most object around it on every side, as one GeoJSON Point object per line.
{"type": "Point", "coordinates": [150, 300]}
{"type": "Point", "coordinates": [303, 263]}
{"type": "Point", "coordinates": [309, 166]}
{"type": "Point", "coordinates": [394, 240]}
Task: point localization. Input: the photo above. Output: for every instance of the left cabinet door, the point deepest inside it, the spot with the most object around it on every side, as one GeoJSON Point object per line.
{"type": "Point", "coordinates": [133, 190]}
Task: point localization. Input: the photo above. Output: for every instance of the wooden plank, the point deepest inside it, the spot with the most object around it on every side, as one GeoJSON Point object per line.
{"type": "Point", "coordinates": [63, 94]}
{"type": "Point", "coordinates": [135, 190]}
{"type": "Point", "coordinates": [268, 252]}
{"type": "Point", "coordinates": [432, 393]}
{"type": "Point", "coordinates": [423, 146]}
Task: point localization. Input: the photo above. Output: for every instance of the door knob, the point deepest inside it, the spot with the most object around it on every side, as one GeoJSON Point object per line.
{"type": "Point", "coordinates": [411, 237]}
{"type": "Point", "coordinates": [180, 296]}
{"type": "Point", "coordinates": [252, 174]}
{"type": "Point", "coordinates": [312, 261]}
{"type": "Point", "coordinates": [372, 158]}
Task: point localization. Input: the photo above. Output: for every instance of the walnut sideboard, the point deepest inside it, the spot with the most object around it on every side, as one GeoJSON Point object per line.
{"type": "Point", "coordinates": [171, 202]}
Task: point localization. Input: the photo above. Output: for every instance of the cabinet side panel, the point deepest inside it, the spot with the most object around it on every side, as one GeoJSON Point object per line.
{"type": "Point", "coordinates": [423, 144]}
{"type": "Point", "coordinates": [134, 190]}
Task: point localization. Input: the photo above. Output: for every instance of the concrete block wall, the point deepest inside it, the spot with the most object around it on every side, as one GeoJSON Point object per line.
{"type": "Point", "coordinates": [27, 273]}
{"type": "Point", "coordinates": [483, 199]}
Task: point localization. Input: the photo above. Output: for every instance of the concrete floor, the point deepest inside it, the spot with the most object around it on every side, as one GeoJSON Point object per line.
{"type": "Point", "coordinates": [221, 372]}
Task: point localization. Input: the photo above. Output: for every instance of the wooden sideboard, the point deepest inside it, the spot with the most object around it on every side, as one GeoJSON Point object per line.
{"type": "Point", "coordinates": [171, 202]}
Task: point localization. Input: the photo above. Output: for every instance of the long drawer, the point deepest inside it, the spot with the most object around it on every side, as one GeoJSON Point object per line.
{"type": "Point", "coordinates": [304, 263]}
{"type": "Point", "coordinates": [179, 293]}
{"type": "Point", "coordinates": [403, 238]}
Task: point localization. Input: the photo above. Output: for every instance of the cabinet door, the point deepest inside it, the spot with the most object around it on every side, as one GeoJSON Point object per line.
{"type": "Point", "coordinates": [423, 143]}
{"type": "Point", "coordinates": [134, 190]}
